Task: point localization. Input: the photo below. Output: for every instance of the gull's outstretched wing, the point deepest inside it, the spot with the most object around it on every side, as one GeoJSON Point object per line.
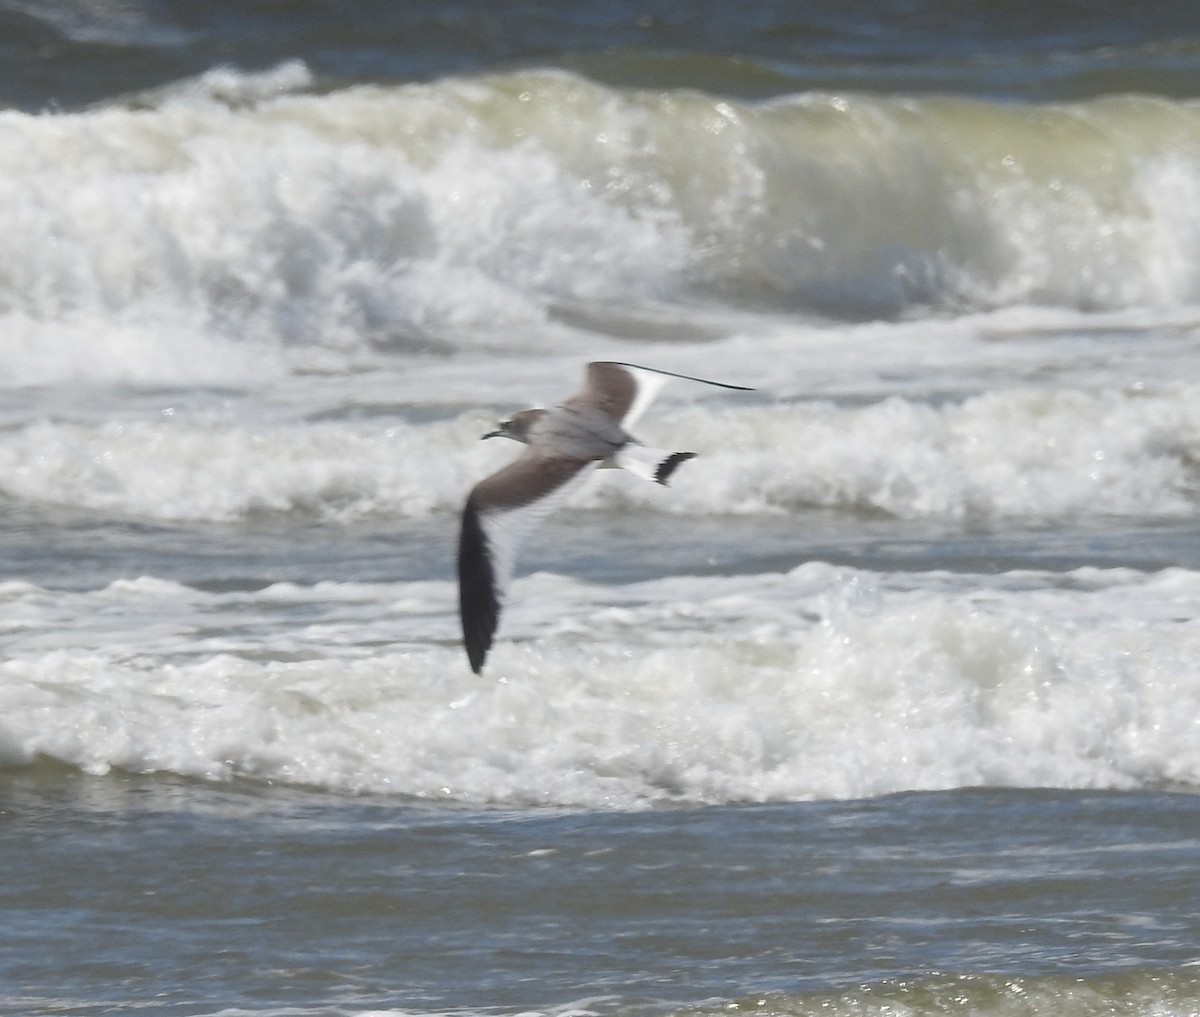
{"type": "Point", "coordinates": [624, 391]}
{"type": "Point", "coordinates": [500, 513]}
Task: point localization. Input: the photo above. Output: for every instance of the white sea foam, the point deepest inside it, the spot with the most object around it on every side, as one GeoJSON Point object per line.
{"type": "Point", "coordinates": [306, 220]}
{"type": "Point", "coordinates": [821, 682]}
{"type": "Point", "coordinates": [1020, 453]}
{"type": "Point", "coordinates": [146, 243]}
{"type": "Point", "coordinates": [1016, 453]}
{"type": "Point", "coordinates": [1136, 993]}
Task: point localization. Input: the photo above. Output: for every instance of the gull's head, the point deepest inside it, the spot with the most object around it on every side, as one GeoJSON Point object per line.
{"type": "Point", "coordinates": [517, 426]}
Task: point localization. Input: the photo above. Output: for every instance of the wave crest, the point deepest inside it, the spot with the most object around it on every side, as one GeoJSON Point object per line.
{"type": "Point", "coordinates": [473, 211]}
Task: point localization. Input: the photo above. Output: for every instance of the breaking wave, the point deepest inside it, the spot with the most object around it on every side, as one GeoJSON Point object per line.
{"type": "Point", "coordinates": [240, 215]}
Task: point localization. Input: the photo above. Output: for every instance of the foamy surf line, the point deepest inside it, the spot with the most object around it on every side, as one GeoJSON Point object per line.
{"type": "Point", "coordinates": [254, 216]}
{"type": "Point", "coordinates": [1012, 454]}
{"type": "Point", "coordinates": [1148, 993]}
{"type": "Point", "coordinates": [819, 683]}
{"type": "Point", "coordinates": [1165, 993]}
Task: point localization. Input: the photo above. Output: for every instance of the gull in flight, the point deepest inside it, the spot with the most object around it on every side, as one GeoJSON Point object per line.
{"type": "Point", "coordinates": [563, 446]}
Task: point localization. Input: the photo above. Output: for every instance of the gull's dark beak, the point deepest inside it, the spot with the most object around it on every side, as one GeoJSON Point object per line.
{"type": "Point", "coordinates": [491, 434]}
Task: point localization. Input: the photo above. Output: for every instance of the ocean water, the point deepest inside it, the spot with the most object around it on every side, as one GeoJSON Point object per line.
{"type": "Point", "coordinates": [890, 704]}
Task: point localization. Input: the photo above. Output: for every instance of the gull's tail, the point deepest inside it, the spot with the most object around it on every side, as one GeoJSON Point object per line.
{"type": "Point", "coordinates": [654, 464]}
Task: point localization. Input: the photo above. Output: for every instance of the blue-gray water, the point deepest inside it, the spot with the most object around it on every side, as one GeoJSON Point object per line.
{"type": "Point", "coordinates": [191, 899]}
{"type": "Point", "coordinates": [889, 705]}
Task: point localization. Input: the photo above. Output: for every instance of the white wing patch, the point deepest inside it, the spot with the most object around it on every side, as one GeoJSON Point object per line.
{"type": "Point", "coordinates": [649, 384]}
{"type": "Point", "coordinates": [508, 528]}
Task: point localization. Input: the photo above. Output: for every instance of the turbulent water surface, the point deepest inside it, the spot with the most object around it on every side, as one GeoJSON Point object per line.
{"type": "Point", "coordinates": [889, 704]}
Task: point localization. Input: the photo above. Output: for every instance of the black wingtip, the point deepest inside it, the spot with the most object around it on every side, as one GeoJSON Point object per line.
{"type": "Point", "coordinates": [478, 606]}
{"type": "Point", "coordinates": [685, 377]}
{"type": "Point", "coordinates": [669, 465]}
